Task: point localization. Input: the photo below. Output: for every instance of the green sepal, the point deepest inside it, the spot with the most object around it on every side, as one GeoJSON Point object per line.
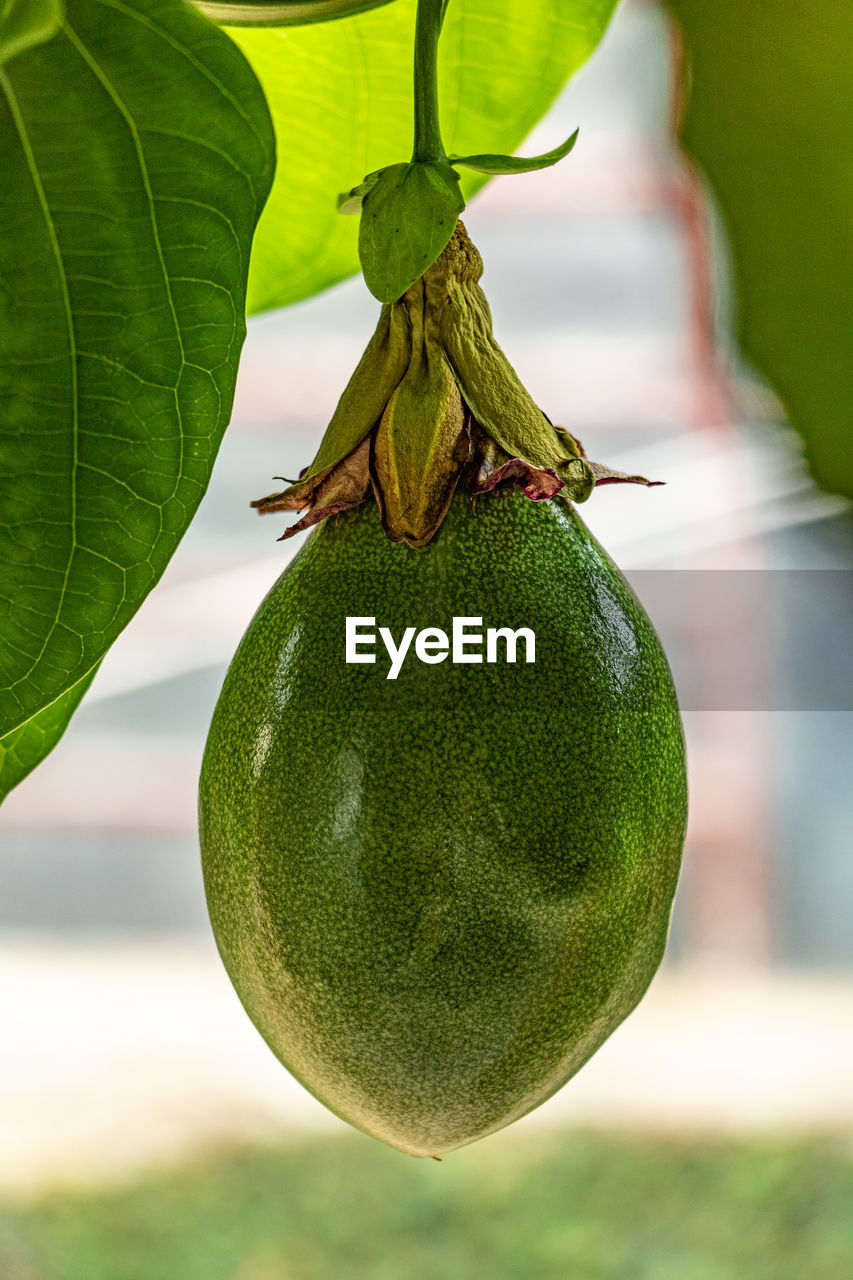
{"type": "Point", "coordinates": [407, 219]}
{"type": "Point", "coordinates": [360, 407]}
{"type": "Point", "coordinates": [421, 443]}
{"type": "Point", "coordinates": [578, 477]}
{"type": "Point", "coordinates": [350, 202]}
{"type": "Point", "coordinates": [516, 164]}
{"type": "Point", "coordinates": [490, 386]}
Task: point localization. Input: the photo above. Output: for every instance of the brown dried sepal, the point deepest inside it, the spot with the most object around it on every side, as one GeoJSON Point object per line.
{"type": "Point", "coordinates": [345, 485]}
{"type": "Point", "coordinates": [489, 467]}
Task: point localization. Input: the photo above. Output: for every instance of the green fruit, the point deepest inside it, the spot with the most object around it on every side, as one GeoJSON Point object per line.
{"type": "Point", "coordinates": [437, 895]}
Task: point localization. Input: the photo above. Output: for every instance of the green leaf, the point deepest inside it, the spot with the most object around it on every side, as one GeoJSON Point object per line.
{"type": "Point", "coordinates": [516, 164]}
{"type": "Point", "coordinates": [350, 202]}
{"type": "Point", "coordinates": [24, 23]}
{"type": "Point", "coordinates": [24, 748]}
{"type": "Point", "coordinates": [283, 13]}
{"type": "Point", "coordinates": [341, 98]}
{"type": "Point", "coordinates": [407, 218]}
{"type": "Point", "coordinates": [768, 120]}
{"type": "Point", "coordinates": [135, 155]}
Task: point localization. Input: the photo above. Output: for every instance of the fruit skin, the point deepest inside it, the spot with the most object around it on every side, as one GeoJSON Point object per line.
{"type": "Point", "coordinates": [436, 896]}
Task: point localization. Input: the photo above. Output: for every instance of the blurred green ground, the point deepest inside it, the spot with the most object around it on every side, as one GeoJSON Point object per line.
{"type": "Point", "coordinates": [567, 1205]}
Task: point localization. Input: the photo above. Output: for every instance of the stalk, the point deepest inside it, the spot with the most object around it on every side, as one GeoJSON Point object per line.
{"type": "Point", "coordinates": [428, 145]}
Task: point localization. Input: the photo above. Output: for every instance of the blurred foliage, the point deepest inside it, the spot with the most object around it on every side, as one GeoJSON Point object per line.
{"type": "Point", "coordinates": [569, 1205]}
{"type": "Point", "coordinates": [768, 121]}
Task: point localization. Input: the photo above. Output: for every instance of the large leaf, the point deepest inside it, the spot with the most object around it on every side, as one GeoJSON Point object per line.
{"type": "Point", "coordinates": [341, 98]}
{"type": "Point", "coordinates": [24, 23]}
{"type": "Point", "coordinates": [769, 121]}
{"type": "Point", "coordinates": [135, 156]}
{"type": "Point", "coordinates": [24, 748]}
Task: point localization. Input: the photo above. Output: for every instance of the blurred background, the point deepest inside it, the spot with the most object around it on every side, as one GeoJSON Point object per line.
{"type": "Point", "coordinates": [145, 1129]}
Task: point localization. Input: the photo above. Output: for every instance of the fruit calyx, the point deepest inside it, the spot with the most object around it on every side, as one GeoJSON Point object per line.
{"type": "Point", "coordinates": [434, 402]}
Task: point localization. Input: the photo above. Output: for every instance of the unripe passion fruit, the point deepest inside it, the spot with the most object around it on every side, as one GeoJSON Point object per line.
{"type": "Point", "coordinates": [437, 895]}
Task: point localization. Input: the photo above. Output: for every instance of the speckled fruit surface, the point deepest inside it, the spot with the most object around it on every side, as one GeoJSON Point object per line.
{"type": "Point", "coordinates": [437, 895]}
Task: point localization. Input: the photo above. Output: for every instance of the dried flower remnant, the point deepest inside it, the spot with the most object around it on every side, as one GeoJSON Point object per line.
{"type": "Point", "coordinates": [433, 403]}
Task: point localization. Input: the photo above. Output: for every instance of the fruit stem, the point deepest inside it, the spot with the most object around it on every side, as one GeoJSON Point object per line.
{"type": "Point", "coordinates": [428, 145]}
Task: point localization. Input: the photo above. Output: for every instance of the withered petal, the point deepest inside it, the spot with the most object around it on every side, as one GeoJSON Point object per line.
{"type": "Point", "coordinates": [606, 475]}
{"type": "Point", "coordinates": [489, 466]}
{"type": "Point", "coordinates": [346, 485]}
{"type": "Point", "coordinates": [315, 515]}
{"type": "Point", "coordinates": [537, 483]}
